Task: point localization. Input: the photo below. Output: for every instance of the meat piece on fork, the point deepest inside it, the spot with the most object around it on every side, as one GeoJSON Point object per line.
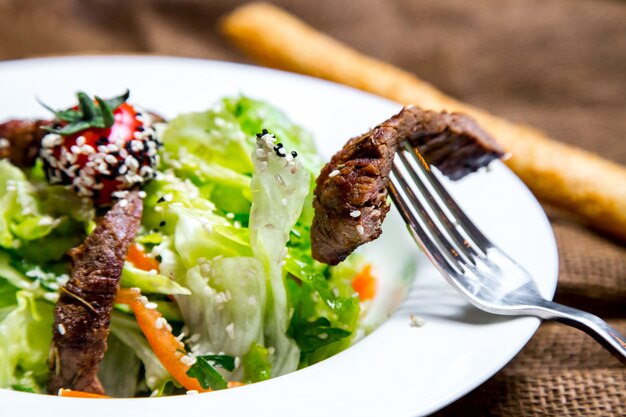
{"type": "Point", "coordinates": [351, 195]}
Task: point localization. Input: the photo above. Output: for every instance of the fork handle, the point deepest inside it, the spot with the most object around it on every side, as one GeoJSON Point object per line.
{"type": "Point", "coordinates": [591, 324]}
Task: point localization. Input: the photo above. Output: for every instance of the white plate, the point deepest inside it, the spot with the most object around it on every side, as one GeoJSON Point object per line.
{"type": "Point", "coordinates": [398, 370]}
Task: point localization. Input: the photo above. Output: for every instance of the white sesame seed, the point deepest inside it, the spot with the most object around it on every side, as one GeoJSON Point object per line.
{"type": "Point", "coordinates": [168, 197]}
{"type": "Point", "coordinates": [136, 145]}
{"type": "Point", "coordinates": [143, 299]}
{"type": "Point", "coordinates": [220, 298]}
{"type": "Point", "coordinates": [80, 141]}
{"type": "Point", "coordinates": [61, 329]}
{"type": "Point", "coordinates": [159, 323]}
{"type": "Point", "coordinates": [120, 194]}
{"type": "Point", "coordinates": [102, 149]}
{"type": "Point", "coordinates": [261, 153]}
{"type": "Point", "coordinates": [334, 173]}
{"type": "Point", "coordinates": [323, 336]}
{"type": "Point", "coordinates": [230, 330]}
{"type": "Point", "coordinates": [158, 209]}
{"type": "Point", "coordinates": [192, 392]}
{"type": "Point", "coordinates": [230, 215]}
{"type": "Point", "coordinates": [336, 292]}
{"type": "Point", "coordinates": [63, 279]}
{"type": "Point", "coordinates": [111, 159]}
{"type": "Point", "coordinates": [360, 229]}
{"type": "Point", "coordinates": [146, 171]}
{"type": "Point", "coordinates": [142, 194]}
{"type": "Point", "coordinates": [237, 361]}
{"type": "Point", "coordinates": [123, 203]}
{"type": "Point", "coordinates": [280, 180]}
{"type": "Point", "coordinates": [45, 221]}
{"type": "Point", "coordinates": [205, 269]}
{"type": "Point", "coordinates": [188, 360]}
{"type": "Point", "coordinates": [131, 162]}
{"type": "Point", "coordinates": [152, 272]}
{"type": "Point", "coordinates": [282, 151]}
{"type": "Point", "coordinates": [355, 213]}
{"type": "Point", "coordinates": [151, 306]}
{"type": "Point", "coordinates": [416, 321]}
{"type": "Point", "coordinates": [4, 143]}
{"type": "Point", "coordinates": [51, 296]}
{"type": "Point", "coordinates": [51, 140]}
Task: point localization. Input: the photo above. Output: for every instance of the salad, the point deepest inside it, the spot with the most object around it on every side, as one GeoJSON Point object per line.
{"type": "Point", "coordinates": [217, 287]}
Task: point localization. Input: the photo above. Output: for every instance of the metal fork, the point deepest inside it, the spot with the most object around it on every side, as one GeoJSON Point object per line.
{"type": "Point", "coordinates": [489, 278]}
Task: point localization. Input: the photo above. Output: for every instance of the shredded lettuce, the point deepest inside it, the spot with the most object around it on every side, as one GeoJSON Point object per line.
{"type": "Point", "coordinates": [279, 188]}
{"type": "Point", "coordinates": [228, 217]}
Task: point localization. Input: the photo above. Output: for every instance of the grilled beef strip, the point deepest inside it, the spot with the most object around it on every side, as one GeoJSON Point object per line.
{"type": "Point", "coordinates": [20, 140]}
{"type": "Point", "coordinates": [83, 312]}
{"type": "Point", "coordinates": [351, 195]}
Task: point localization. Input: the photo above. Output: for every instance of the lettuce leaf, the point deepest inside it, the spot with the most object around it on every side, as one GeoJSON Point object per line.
{"type": "Point", "coordinates": [25, 335]}
{"type": "Point", "coordinates": [21, 217]}
{"type": "Point", "coordinates": [149, 283]}
{"type": "Point", "coordinates": [126, 329]}
{"type": "Point", "coordinates": [279, 188]}
{"type": "Point", "coordinates": [256, 364]}
{"type": "Point", "coordinates": [119, 369]}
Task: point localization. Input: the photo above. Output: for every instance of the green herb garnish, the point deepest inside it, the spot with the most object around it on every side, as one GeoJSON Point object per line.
{"type": "Point", "coordinates": [206, 374]}
{"type": "Point", "coordinates": [88, 114]}
{"type": "Point", "coordinates": [312, 335]}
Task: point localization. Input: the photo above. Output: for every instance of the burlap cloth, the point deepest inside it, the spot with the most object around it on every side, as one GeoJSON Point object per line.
{"type": "Point", "coordinates": [559, 65]}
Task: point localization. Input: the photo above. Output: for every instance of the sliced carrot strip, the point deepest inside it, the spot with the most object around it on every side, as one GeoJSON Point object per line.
{"type": "Point", "coordinates": [141, 260]}
{"type": "Point", "coordinates": [364, 283]}
{"type": "Point", "coordinates": [167, 348]}
{"type": "Point", "coordinates": [63, 392]}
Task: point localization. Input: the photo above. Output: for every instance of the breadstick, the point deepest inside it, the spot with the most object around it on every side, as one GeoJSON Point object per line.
{"type": "Point", "coordinates": [563, 175]}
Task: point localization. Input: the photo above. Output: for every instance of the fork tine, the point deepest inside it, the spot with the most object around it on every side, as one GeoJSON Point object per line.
{"type": "Point", "coordinates": [473, 233]}
{"type": "Point", "coordinates": [462, 244]}
{"type": "Point", "coordinates": [434, 244]}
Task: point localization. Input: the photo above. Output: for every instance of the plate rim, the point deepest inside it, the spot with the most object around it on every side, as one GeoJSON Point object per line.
{"type": "Point", "coordinates": [6, 394]}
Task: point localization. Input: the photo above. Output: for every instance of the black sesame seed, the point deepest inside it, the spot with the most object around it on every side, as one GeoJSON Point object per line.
{"type": "Point", "coordinates": [265, 132]}
{"type": "Point", "coordinates": [102, 141]}
{"type": "Point", "coordinates": [159, 258]}
{"type": "Point", "coordinates": [162, 223]}
{"type": "Point", "coordinates": [140, 129]}
{"type": "Point", "coordinates": [161, 200]}
{"type": "Point", "coordinates": [294, 153]}
{"type": "Point", "coordinates": [258, 135]}
{"type": "Point", "coordinates": [138, 114]}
